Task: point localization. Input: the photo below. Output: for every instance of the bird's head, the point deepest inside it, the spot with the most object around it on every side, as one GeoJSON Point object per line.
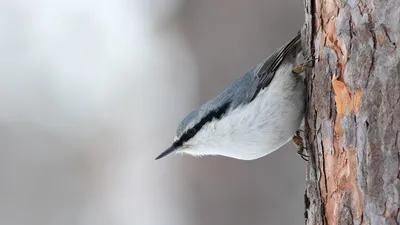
{"type": "Point", "coordinates": [196, 129]}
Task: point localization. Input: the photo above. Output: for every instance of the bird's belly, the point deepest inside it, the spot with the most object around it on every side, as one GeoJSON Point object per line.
{"type": "Point", "coordinates": [264, 125]}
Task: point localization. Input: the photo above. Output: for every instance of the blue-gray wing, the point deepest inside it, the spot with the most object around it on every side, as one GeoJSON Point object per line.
{"type": "Point", "coordinates": [265, 71]}
{"type": "Point", "coordinates": [247, 87]}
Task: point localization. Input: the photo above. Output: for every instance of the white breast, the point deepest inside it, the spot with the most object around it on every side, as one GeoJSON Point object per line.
{"type": "Point", "coordinates": [258, 128]}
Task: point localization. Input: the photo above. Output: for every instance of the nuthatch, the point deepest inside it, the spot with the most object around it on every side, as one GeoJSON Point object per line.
{"type": "Point", "coordinates": [257, 114]}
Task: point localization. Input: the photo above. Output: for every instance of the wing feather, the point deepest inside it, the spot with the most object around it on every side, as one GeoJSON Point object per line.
{"type": "Point", "coordinates": [265, 71]}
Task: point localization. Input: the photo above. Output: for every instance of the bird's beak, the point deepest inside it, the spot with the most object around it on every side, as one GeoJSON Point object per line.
{"type": "Point", "coordinates": [166, 152]}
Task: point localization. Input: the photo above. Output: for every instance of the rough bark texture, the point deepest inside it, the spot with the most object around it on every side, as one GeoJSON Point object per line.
{"type": "Point", "coordinates": [353, 114]}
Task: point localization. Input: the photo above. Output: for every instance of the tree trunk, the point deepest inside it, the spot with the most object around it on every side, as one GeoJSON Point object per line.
{"type": "Point", "coordinates": [353, 114]}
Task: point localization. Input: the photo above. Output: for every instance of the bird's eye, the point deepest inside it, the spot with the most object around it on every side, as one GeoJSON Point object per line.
{"type": "Point", "coordinates": [191, 132]}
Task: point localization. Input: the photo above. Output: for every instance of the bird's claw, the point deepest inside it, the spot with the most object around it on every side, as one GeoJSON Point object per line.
{"type": "Point", "coordinates": [298, 141]}
{"type": "Point", "coordinates": [302, 67]}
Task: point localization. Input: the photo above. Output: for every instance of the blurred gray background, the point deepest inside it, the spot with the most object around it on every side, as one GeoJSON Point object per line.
{"type": "Point", "coordinates": [91, 92]}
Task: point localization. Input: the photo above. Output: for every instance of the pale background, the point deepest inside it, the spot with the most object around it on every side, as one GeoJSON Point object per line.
{"type": "Point", "coordinates": [91, 91]}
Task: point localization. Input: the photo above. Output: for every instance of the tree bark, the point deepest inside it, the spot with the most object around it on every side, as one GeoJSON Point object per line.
{"type": "Point", "coordinates": [353, 113]}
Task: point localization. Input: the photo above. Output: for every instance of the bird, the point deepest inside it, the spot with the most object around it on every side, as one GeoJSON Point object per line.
{"type": "Point", "coordinates": [257, 114]}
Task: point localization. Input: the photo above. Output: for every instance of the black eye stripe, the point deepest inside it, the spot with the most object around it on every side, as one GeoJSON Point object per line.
{"type": "Point", "coordinates": [214, 114]}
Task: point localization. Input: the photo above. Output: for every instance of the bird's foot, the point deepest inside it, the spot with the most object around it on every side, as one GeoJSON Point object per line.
{"type": "Point", "coordinates": [298, 141]}
{"type": "Point", "coordinates": [302, 67]}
